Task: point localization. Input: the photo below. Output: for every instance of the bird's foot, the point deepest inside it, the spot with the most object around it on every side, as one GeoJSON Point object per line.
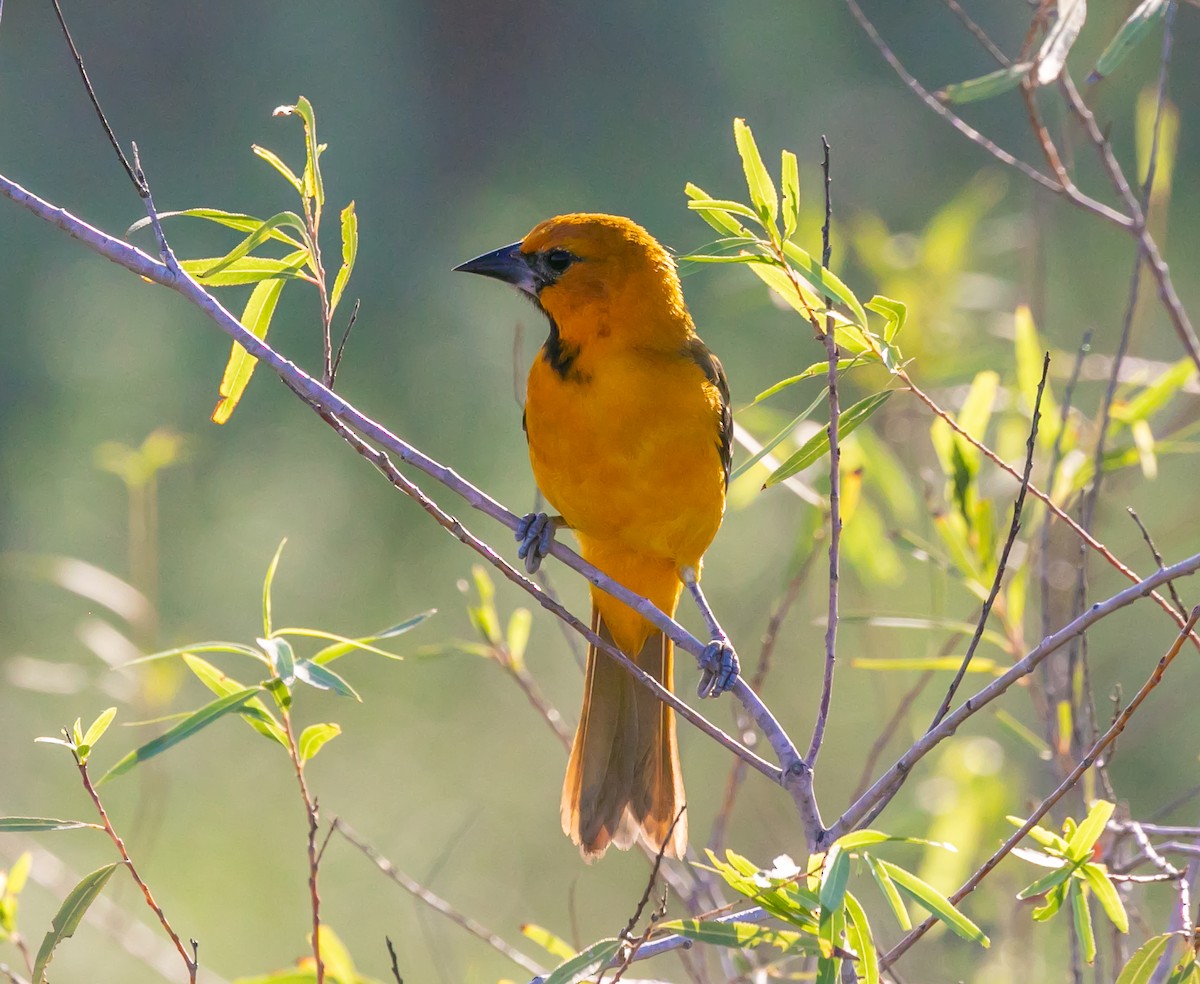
{"type": "Point", "coordinates": [535, 533]}
{"type": "Point", "coordinates": [719, 669]}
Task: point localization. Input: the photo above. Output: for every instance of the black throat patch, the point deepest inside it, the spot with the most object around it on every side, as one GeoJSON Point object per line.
{"type": "Point", "coordinates": [561, 356]}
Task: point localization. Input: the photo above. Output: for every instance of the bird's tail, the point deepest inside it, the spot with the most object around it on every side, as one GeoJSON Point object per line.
{"type": "Point", "coordinates": [623, 779]}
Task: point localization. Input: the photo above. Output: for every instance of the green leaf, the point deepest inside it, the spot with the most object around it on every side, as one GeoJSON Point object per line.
{"type": "Point", "coordinates": [323, 678]}
{"type": "Point", "coordinates": [986, 86]}
{"type": "Point", "coordinates": [339, 649]}
{"type": "Point", "coordinates": [1155, 396]}
{"type": "Point", "coordinates": [349, 254]}
{"type": "Point", "coordinates": [256, 318]}
{"type": "Point", "coordinates": [1047, 838]}
{"type": "Point", "coordinates": [267, 582]}
{"type": "Point", "coordinates": [890, 893]}
{"type": "Point", "coordinates": [585, 963]}
{"type": "Point", "coordinates": [1079, 847]}
{"type": "Point", "coordinates": [816, 369]}
{"type": "Point", "coordinates": [194, 722]}
{"type": "Point", "coordinates": [938, 905]}
{"type": "Point", "coordinates": [790, 180]}
{"type": "Point", "coordinates": [817, 446]}
{"type": "Point", "coordinates": [1083, 922]}
{"type": "Point", "coordinates": [784, 432]}
{"type": "Point", "coordinates": [253, 711]}
{"type": "Point", "coordinates": [722, 205]}
{"type": "Point", "coordinates": [314, 737]}
{"type": "Point", "coordinates": [834, 876]}
{"type": "Point", "coordinates": [36, 825]}
{"type": "Point", "coordinates": [739, 935]}
{"type": "Point", "coordinates": [276, 162]}
{"type": "Point", "coordinates": [824, 281]}
{"type": "Point", "coordinates": [517, 637]}
{"type": "Point", "coordinates": [858, 933]}
{"type": "Point", "coordinates": [720, 220]}
{"type": "Point", "coordinates": [256, 238]}
{"type": "Point", "coordinates": [313, 186]}
{"type": "Point", "coordinates": [97, 728]}
{"type": "Point", "coordinates": [282, 656]}
{"type": "Point", "coordinates": [349, 644]}
{"type": "Point", "coordinates": [894, 312]}
{"type": "Point", "coordinates": [1052, 901]}
{"type": "Point", "coordinates": [248, 270]}
{"type": "Point", "coordinates": [1136, 26]}
{"type": "Point", "coordinates": [233, 220]}
{"type": "Point", "coordinates": [758, 181]}
{"type": "Point", "coordinates": [69, 915]}
{"type": "Point", "coordinates": [554, 945]}
{"type": "Point", "coordinates": [864, 838]}
{"type": "Point", "coordinates": [1047, 883]}
{"type": "Point", "coordinates": [1142, 964]}
{"type": "Point", "coordinates": [922, 663]}
{"type": "Point", "coordinates": [1107, 895]}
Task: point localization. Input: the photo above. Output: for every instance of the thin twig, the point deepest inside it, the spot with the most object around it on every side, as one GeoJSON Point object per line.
{"type": "Point", "coordinates": [312, 820]}
{"type": "Point", "coordinates": [188, 961]}
{"type": "Point", "coordinates": [835, 484]}
{"type": "Point", "coordinates": [395, 963]}
{"type": "Point", "coordinates": [979, 33]}
{"type": "Point", "coordinates": [1073, 777]}
{"type": "Point", "coordinates": [337, 359]}
{"type": "Point", "coordinates": [1014, 529]}
{"type": "Point", "coordinates": [434, 901]}
{"type": "Point", "coordinates": [1156, 555]}
{"type": "Point", "coordinates": [883, 786]}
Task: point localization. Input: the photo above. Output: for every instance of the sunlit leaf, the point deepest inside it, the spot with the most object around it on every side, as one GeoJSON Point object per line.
{"type": "Point", "coordinates": [323, 678]}
{"type": "Point", "coordinates": [858, 934]}
{"type": "Point", "coordinates": [1147, 114]}
{"type": "Point", "coordinates": [938, 905]}
{"type": "Point", "coordinates": [1107, 895]}
{"type": "Point", "coordinates": [817, 446]}
{"type": "Point", "coordinates": [985, 86]}
{"type": "Point", "coordinates": [517, 637]}
{"type": "Point", "coordinates": [314, 737]}
{"type": "Point", "coordinates": [253, 711]}
{"type": "Point", "coordinates": [247, 270]}
{"type": "Point", "coordinates": [268, 580]}
{"type": "Point", "coordinates": [1079, 846]}
{"type": "Point", "coordinates": [313, 187]}
{"type": "Point", "coordinates": [978, 664]}
{"type": "Point", "coordinates": [1141, 966]}
{"type": "Point", "coordinates": [282, 656]}
{"type": "Point", "coordinates": [70, 914]}
{"type": "Point", "coordinates": [1046, 883]}
{"type": "Point", "coordinates": [834, 876]}
{"type": "Point", "coordinates": [816, 369]}
{"type": "Point", "coordinates": [349, 254]}
{"type": "Point", "coordinates": [1084, 931]}
{"type": "Point", "coordinates": [720, 220]}
{"type": "Point", "coordinates": [790, 181]}
{"type": "Point", "coordinates": [889, 890]}
{"type": "Point", "coordinates": [339, 649]}
{"type": "Point", "coordinates": [894, 312]}
{"type": "Point", "coordinates": [1136, 26]}
{"type": "Point", "coordinates": [233, 220]}
{"type": "Point", "coordinates": [584, 964]}
{"type": "Point", "coordinates": [554, 945]}
{"type": "Point", "coordinates": [37, 825]}
{"type": "Point", "coordinates": [1156, 395]}
{"type": "Point", "coordinates": [235, 648]}
{"type": "Point", "coordinates": [1052, 56]}
{"type": "Point", "coordinates": [257, 237]}
{"type": "Point", "coordinates": [194, 722]}
{"type": "Point", "coordinates": [276, 162]}
{"type": "Point", "coordinates": [824, 281]}
{"type": "Point", "coordinates": [739, 934]}
{"type": "Point", "coordinates": [97, 728]}
{"type": "Point", "coordinates": [775, 441]}
{"type": "Point", "coordinates": [758, 181]}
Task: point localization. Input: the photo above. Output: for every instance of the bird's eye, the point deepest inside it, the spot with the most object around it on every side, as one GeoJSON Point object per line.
{"type": "Point", "coordinates": [559, 259]}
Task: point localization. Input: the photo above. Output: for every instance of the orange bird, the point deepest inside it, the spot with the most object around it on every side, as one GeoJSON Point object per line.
{"type": "Point", "coordinates": [629, 428]}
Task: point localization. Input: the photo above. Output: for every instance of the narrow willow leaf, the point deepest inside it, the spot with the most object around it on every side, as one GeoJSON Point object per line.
{"type": "Point", "coordinates": [722, 221]}
{"type": "Point", "coordinates": [585, 963]}
{"type": "Point", "coordinates": [339, 649]}
{"type": "Point", "coordinates": [256, 318]}
{"type": "Point", "coordinates": [834, 877]}
{"type": "Point", "coordinates": [922, 663]}
{"type": "Point", "coordinates": [722, 205]}
{"type": "Point", "coordinates": [194, 722]}
{"type": "Point", "coordinates": [758, 181]}
{"type": "Point", "coordinates": [516, 638]}
{"type": "Point", "coordinates": [1030, 353]}
{"type": "Point", "coordinates": [97, 728]}
{"type": "Point", "coordinates": [314, 737]}
{"type": "Point", "coordinates": [235, 648]}
{"type": "Point", "coordinates": [774, 442]}
{"type": "Point", "coordinates": [233, 220]}
{"type": "Point", "coordinates": [817, 446]}
{"type": "Point", "coordinates": [1084, 930]}
{"type": "Point", "coordinates": [730, 258]}
{"type": "Point", "coordinates": [824, 281]}
{"type": "Point", "coordinates": [312, 185]}
{"type": "Point", "coordinates": [1046, 883]}
{"type": "Point", "coordinates": [1141, 966]}
{"type": "Point", "coordinates": [324, 678]}
{"type": "Point", "coordinates": [816, 369]}
{"type": "Point", "coordinates": [253, 711]}
{"type": "Point", "coordinates": [986, 86]}
{"type": "Point", "coordinates": [268, 580]}
{"type": "Point", "coordinates": [1079, 847]}
{"type": "Point", "coordinates": [1107, 895]}
{"type": "Point", "coordinates": [256, 238]}
{"type": "Point", "coordinates": [282, 656]}
{"type": "Point", "coordinates": [938, 905]}
{"type": "Point", "coordinates": [1154, 397]}
{"type": "Point", "coordinates": [349, 255]}
{"type": "Point", "coordinates": [858, 932]}
{"type": "Point", "coordinates": [890, 893]}
{"type": "Point", "coordinates": [554, 945]}
{"type": "Point", "coordinates": [894, 312]}
{"type": "Point", "coordinates": [36, 825]}
{"type": "Point", "coordinates": [790, 180]}
{"type": "Point", "coordinates": [1136, 26]}
{"type": "Point", "coordinates": [1052, 56]}
{"type": "Point", "coordinates": [344, 644]}
{"type": "Point", "coordinates": [70, 914]}
{"type": "Point", "coordinates": [248, 270]}
{"type": "Point", "coordinates": [1047, 838]}
{"type": "Point", "coordinates": [276, 162]}
{"type": "Point", "coordinates": [739, 935]}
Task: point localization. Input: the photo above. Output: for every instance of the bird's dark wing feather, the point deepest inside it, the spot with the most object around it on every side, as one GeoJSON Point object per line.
{"type": "Point", "coordinates": [699, 353]}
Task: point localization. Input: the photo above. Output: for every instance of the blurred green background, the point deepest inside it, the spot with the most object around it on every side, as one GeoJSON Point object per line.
{"type": "Point", "coordinates": [455, 127]}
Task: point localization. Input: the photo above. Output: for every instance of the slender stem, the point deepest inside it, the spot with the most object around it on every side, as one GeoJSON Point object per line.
{"type": "Point", "coordinates": [189, 961]}
{"type": "Point", "coordinates": [1073, 777]}
{"type": "Point", "coordinates": [313, 820]}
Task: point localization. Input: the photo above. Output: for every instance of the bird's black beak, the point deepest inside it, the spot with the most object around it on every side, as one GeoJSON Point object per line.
{"type": "Point", "coordinates": [507, 263]}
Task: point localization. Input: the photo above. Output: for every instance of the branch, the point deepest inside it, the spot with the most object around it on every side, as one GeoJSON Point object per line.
{"type": "Point", "coordinates": [883, 789]}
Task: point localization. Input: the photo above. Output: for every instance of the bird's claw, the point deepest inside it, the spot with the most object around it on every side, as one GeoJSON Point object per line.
{"type": "Point", "coordinates": [535, 534]}
{"type": "Point", "coordinates": [719, 669]}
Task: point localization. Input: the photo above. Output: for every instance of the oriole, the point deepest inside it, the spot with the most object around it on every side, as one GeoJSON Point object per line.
{"type": "Point", "coordinates": [629, 428]}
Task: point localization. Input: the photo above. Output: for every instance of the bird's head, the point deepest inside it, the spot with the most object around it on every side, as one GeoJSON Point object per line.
{"type": "Point", "coordinates": [596, 276]}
